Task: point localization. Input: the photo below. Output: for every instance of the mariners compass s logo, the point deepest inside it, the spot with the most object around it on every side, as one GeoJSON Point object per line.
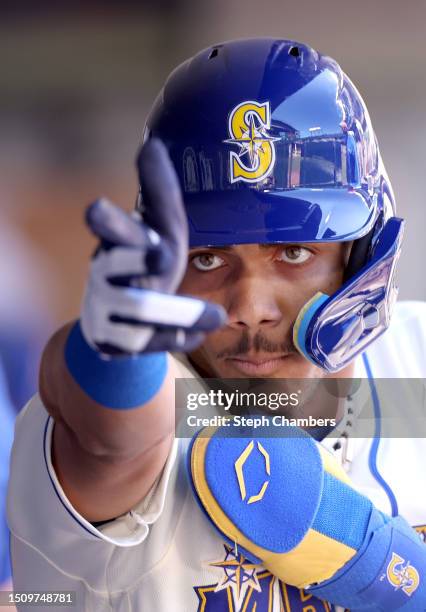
{"type": "Point", "coordinates": [248, 127]}
{"type": "Point", "coordinates": [401, 576]}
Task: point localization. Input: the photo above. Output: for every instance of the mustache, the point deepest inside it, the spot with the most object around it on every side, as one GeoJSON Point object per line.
{"type": "Point", "coordinates": [258, 342]}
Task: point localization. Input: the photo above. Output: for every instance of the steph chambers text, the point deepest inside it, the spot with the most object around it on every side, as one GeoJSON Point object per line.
{"type": "Point", "coordinates": [257, 421]}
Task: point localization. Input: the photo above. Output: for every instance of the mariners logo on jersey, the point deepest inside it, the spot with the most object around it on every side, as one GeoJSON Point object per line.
{"type": "Point", "coordinates": [248, 127]}
{"type": "Point", "coordinates": [243, 586]}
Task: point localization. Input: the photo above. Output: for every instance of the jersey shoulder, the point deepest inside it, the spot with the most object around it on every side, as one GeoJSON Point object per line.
{"type": "Point", "coordinates": [401, 351]}
{"type": "Point", "coordinates": [411, 311]}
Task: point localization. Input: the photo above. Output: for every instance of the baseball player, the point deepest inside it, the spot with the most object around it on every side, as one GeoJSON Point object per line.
{"type": "Point", "coordinates": [266, 248]}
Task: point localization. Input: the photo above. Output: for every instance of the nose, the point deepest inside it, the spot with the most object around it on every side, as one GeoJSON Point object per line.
{"type": "Point", "coordinates": [253, 304]}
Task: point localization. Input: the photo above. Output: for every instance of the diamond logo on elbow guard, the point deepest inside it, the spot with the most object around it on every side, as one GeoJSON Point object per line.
{"type": "Point", "coordinates": [239, 469]}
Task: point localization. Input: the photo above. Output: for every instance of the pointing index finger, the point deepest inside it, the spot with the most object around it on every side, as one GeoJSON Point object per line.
{"type": "Point", "coordinates": [163, 208]}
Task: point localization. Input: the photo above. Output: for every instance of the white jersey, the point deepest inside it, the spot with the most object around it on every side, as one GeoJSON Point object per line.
{"type": "Point", "coordinates": [164, 555]}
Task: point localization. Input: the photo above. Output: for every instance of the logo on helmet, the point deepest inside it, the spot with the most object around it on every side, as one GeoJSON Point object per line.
{"type": "Point", "coordinates": [248, 127]}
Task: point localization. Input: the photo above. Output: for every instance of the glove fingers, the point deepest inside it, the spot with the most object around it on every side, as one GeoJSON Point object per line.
{"type": "Point", "coordinates": [172, 340]}
{"type": "Point", "coordinates": [161, 195]}
{"type": "Point", "coordinates": [122, 338]}
{"type": "Point", "coordinates": [147, 307]}
{"type": "Point", "coordinates": [113, 225]}
{"type": "Point", "coordinates": [125, 263]}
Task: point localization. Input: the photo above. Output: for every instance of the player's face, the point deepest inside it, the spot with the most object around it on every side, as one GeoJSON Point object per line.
{"type": "Point", "coordinates": [263, 288]}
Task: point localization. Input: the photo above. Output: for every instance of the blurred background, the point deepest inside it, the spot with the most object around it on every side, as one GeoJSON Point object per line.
{"type": "Point", "coordinates": [77, 79]}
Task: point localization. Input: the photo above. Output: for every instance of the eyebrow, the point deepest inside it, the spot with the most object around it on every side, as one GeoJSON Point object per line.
{"type": "Point", "coordinates": [229, 248]}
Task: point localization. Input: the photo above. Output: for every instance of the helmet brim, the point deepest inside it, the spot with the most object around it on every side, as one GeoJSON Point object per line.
{"type": "Point", "coordinates": [299, 215]}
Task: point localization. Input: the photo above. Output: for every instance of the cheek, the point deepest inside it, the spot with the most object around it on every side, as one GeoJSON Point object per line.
{"type": "Point", "coordinates": [186, 287]}
{"type": "Point", "coordinates": [199, 285]}
{"type": "Point", "coordinates": [325, 276]}
{"type": "Point", "coordinates": [205, 355]}
{"type": "Point", "coordinates": [294, 290]}
{"type": "Point", "coordinates": [333, 281]}
{"type": "Point", "coordinates": [217, 341]}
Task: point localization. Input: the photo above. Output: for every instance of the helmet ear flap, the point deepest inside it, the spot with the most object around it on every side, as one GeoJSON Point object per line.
{"type": "Point", "coordinates": [362, 247]}
{"type": "Point", "coordinates": [359, 255]}
{"type": "Point", "coordinates": [331, 330]}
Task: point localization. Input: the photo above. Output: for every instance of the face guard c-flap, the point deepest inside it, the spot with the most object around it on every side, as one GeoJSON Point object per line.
{"type": "Point", "coordinates": [331, 330]}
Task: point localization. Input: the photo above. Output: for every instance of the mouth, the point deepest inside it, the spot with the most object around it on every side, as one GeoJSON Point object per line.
{"type": "Point", "coordinates": [259, 365]}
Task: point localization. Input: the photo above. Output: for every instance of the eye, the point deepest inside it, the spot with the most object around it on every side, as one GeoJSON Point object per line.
{"type": "Point", "coordinates": [295, 254]}
{"type": "Point", "coordinates": [207, 261]}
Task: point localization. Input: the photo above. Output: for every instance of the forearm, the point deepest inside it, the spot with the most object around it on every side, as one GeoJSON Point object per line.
{"type": "Point", "coordinates": [106, 459]}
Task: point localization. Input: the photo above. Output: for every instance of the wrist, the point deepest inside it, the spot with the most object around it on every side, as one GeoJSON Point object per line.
{"type": "Point", "coordinates": [119, 382]}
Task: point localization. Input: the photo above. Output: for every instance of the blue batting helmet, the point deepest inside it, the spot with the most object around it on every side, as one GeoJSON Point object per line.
{"type": "Point", "coordinates": [272, 143]}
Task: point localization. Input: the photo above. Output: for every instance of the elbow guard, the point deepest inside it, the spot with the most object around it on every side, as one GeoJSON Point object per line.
{"type": "Point", "coordinates": [289, 506]}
